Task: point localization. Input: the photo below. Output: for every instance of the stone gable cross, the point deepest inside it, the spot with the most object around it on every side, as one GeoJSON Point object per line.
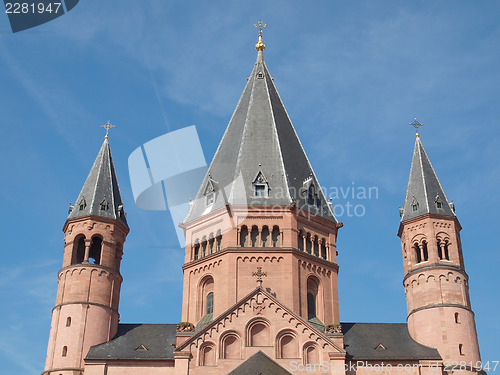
{"type": "Point", "coordinates": [259, 275]}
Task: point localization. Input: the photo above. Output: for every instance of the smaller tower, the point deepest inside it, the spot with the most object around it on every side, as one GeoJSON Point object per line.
{"type": "Point", "coordinates": [86, 310]}
{"type": "Point", "coordinates": [436, 284]}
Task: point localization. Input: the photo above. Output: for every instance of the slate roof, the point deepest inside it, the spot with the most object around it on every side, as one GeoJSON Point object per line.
{"type": "Point", "coordinates": [156, 339]}
{"type": "Point", "coordinates": [363, 341]}
{"type": "Point", "coordinates": [101, 188]}
{"type": "Point", "coordinates": [424, 188]}
{"type": "Point", "coordinates": [259, 363]}
{"type": "Point", "coordinates": [260, 143]}
{"type": "Point", "coordinates": [366, 341]}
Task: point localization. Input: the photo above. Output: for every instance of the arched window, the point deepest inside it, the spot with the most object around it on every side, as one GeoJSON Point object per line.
{"type": "Point", "coordinates": [440, 251]}
{"type": "Point", "coordinates": [461, 349]}
{"type": "Point", "coordinates": [204, 246]}
{"type": "Point", "coordinates": [417, 253]}
{"type": "Point", "coordinates": [259, 334]}
{"type": "Point", "coordinates": [265, 236]}
{"type": "Point", "coordinates": [230, 346]}
{"type": "Point", "coordinates": [425, 251]}
{"type": "Point", "coordinates": [446, 252]}
{"type": "Point", "coordinates": [323, 249]}
{"type": "Point", "coordinates": [210, 303]}
{"type": "Point", "coordinates": [79, 249]}
{"type": "Point", "coordinates": [243, 236]}
{"type": "Point", "coordinates": [316, 246]}
{"type": "Point", "coordinates": [211, 242]}
{"type": "Point", "coordinates": [312, 297]}
{"type": "Point", "coordinates": [68, 321]}
{"type": "Point", "coordinates": [207, 355]}
{"type": "Point", "coordinates": [95, 250]}
{"type": "Point", "coordinates": [308, 244]}
{"type": "Point", "coordinates": [206, 296]}
{"type": "Point", "coordinates": [254, 236]}
{"type": "Point", "coordinates": [196, 250]}
{"type": "Point", "coordinates": [457, 318]}
{"type": "Point", "coordinates": [218, 239]}
{"type": "Point", "coordinates": [300, 240]}
{"type": "Point", "coordinates": [276, 236]}
{"type": "Point", "coordinates": [288, 346]}
{"type": "Point", "coordinates": [64, 351]}
{"type": "Point", "coordinates": [311, 354]}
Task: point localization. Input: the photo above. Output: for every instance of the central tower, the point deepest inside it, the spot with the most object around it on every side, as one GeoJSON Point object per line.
{"type": "Point", "coordinates": [260, 205]}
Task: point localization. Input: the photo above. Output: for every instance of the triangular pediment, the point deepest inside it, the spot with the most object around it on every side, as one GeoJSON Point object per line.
{"type": "Point", "coordinates": [259, 305]}
{"type": "Point", "coordinates": [260, 178]}
{"type": "Point", "coordinates": [209, 187]}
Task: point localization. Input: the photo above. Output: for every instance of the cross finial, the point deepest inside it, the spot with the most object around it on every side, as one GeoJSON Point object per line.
{"type": "Point", "coordinates": [416, 125]}
{"type": "Point", "coordinates": [260, 25]}
{"type": "Point", "coordinates": [260, 46]}
{"type": "Point", "coordinates": [259, 275]}
{"type": "Point", "coordinates": [107, 126]}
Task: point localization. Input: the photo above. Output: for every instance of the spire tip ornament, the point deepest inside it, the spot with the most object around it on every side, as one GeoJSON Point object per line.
{"type": "Point", "coordinates": [107, 126]}
{"type": "Point", "coordinates": [416, 125]}
{"type": "Point", "coordinates": [260, 46]}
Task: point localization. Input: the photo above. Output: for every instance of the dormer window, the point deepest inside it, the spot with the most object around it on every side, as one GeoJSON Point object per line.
{"type": "Point", "coordinates": [260, 186]}
{"type": "Point", "coordinates": [414, 205]}
{"type": "Point", "coordinates": [82, 204]}
{"type": "Point", "coordinates": [104, 205]}
{"type": "Point", "coordinates": [209, 192]}
{"type": "Point", "coordinates": [438, 202]}
{"type": "Point", "coordinates": [260, 190]}
{"type": "Point", "coordinates": [310, 195]}
{"type": "Point", "coordinates": [260, 75]}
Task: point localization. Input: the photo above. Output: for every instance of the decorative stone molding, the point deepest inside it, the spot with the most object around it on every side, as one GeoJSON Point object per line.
{"type": "Point", "coordinates": [185, 327]}
{"type": "Point", "coordinates": [333, 328]}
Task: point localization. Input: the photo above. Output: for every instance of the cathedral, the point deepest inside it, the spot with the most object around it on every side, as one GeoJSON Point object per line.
{"type": "Point", "coordinates": [260, 289]}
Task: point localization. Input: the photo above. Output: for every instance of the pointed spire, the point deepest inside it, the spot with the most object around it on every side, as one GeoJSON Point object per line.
{"type": "Point", "coordinates": [100, 195]}
{"type": "Point", "coordinates": [260, 140]}
{"type": "Point", "coordinates": [424, 193]}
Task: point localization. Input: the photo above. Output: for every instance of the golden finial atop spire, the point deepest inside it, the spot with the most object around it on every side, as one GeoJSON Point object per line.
{"type": "Point", "coordinates": [107, 126]}
{"type": "Point", "coordinates": [260, 46]}
{"type": "Point", "coordinates": [416, 124]}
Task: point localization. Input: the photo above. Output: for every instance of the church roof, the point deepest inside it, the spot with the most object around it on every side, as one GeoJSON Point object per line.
{"type": "Point", "coordinates": [363, 341]}
{"type": "Point", "coordinates": [260, 147]}
{"type": "Point", "coordinates": [138, 341]}
{"type": "Point", "coordinates": [424, 193]}
{"type": "Point", "coordinates": [259, 363]}
{"type": "Point", "coordinates": [100, 195]}
{"type": "Point", "coordinates": [387, 341]}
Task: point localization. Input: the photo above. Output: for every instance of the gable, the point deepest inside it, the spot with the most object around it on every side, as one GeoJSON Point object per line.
{"type": "Point", "coordinates": [259, 322]}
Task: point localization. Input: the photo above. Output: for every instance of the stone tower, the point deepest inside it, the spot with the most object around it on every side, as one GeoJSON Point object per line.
{"type": "Point", "coordinates": [86, 310]}
{"type": "Point", "coordinates": [435, 281]}
{"type": "Point", "coordinates": [260, 210]}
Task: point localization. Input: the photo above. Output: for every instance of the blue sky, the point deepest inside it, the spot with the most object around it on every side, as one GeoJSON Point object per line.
{"type": "Point", "coordinates": [352, 75]}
